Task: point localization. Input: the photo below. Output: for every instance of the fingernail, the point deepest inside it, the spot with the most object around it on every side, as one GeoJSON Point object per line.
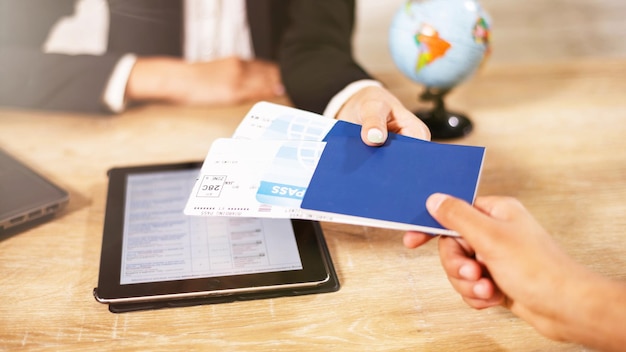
{"type": "Point", "coordinates": [375, 135]}
{"type": "Point", "coordinates": [434, 201]}
{"type": "Point", "coordinates": [481, 290]}
{"type": "Point", "coordinates": [466, 272]}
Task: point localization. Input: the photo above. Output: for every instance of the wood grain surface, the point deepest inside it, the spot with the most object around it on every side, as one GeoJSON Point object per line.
{"type": "Point", "coordinates": [555, 137]}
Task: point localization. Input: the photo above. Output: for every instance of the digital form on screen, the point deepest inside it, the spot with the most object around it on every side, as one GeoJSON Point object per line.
{"type": "Point", "coordinates": [161, 243]}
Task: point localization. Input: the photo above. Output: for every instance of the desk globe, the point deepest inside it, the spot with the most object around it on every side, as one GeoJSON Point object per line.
{"type": "Point", "coordinates": [439, 44]}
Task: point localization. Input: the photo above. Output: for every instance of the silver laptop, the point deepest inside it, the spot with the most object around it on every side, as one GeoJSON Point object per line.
{"type": "Point", "coordinates": [26, 197]}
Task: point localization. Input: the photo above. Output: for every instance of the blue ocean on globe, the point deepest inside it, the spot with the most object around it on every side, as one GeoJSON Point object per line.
{"type": "Point", "coordinates": [439, 43]}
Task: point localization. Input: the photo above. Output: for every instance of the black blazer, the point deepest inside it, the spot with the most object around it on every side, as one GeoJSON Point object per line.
{"type": "Point", "coordinates": [311, 40]}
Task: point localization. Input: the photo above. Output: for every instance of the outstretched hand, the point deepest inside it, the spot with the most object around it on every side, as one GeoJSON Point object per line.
{"type": "Point", "coordinates": [505, 257]}
{"type": "Point", "coordinates": [379, 112]}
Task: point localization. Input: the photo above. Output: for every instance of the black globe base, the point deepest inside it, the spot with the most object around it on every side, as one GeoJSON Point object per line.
{"type": "Point", "coordinates": [445, 124]}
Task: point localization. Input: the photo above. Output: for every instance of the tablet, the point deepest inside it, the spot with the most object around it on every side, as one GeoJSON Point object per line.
{"type": "Point", "coordinates": [155, 256]}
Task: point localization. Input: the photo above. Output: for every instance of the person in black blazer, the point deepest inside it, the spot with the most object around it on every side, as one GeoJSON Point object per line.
{"type": "Point", "coordinates": [151, 29]}
{"type": "Point", "coordinates": [309, 40]}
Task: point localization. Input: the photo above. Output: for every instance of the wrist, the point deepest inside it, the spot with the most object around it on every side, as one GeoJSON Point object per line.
{"type": "Point", "coordinates": [338, 101]}
{"type": "Point", "coordinates": [595, 312]}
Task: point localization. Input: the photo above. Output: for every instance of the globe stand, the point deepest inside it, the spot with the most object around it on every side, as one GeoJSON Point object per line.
{"type": "Point", "coordinates": [443, 124]}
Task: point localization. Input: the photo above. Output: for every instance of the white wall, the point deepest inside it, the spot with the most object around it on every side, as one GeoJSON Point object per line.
{"type": "Point", "coordinates": [370, 37]}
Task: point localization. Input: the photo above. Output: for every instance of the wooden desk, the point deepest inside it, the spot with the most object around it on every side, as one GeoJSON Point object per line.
{"type": "Point", "coordinates": [556, 139]}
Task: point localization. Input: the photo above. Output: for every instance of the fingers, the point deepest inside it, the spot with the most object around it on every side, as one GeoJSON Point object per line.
{"type": "Point", "coordinates": [457, 260]}
{"type": "Point", "coordinates": [261, 80]}
{"type": "Point", "coordinates": [476, 226]}
{"type": "Point", "coordinates": [413, 239]}
{"type": "Point", "coordinates": [405, 122]}
{"type": "Point", "coordinates": [378, 117]}
{"type": "Point", "coordinates": [500, 208]}
{"type": "Point", "coordinates": [272, 74]}
{"type": "Point", "coordinates": [493, 296]}
{"type": "Point", "coordinates": [379, 112]}
{"type": "Point", "coordinates": [373, 115]}
{"type": "Point", "coordinates": [466, 275]}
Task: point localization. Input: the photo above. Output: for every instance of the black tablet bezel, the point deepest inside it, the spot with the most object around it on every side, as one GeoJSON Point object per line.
{"type": "Point", "coordinates": [315, 264]}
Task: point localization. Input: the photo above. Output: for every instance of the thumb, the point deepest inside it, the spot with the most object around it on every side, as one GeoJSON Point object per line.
{"type": "Point", "coordinates": [373, 116]}
{"type": "Point", "coordinates": [476, 227]}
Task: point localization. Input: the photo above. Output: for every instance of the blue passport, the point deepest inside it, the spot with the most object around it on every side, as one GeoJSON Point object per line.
{"type": "Point", "coordinates": [390, 182]}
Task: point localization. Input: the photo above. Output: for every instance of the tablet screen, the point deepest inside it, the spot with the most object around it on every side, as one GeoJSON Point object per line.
{"type": "Point", "coordinates": [152, 251]}
{"type": "Point", "coordinates": [161, 244]}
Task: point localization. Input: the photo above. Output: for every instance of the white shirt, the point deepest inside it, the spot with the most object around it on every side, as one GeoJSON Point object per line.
{"type": "Point", "coordinates": [213, 29]}
{"type": "Point", "coordinates": [216, 29]}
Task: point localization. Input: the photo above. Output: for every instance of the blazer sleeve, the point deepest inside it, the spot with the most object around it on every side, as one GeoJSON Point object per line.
{"type": "Point", "coordinates": [315, 56]}
{"type": "Point", "coordinates": [31, 78]}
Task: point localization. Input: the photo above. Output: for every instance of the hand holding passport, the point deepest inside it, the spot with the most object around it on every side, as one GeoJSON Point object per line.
{"type": "Point", "coordinates": [288, 163]}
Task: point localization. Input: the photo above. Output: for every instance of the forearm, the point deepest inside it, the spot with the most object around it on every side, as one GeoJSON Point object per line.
{"type": "Point", "coordinates": [598, 319]}
{"type": "Point", "coordinates": [579, 306]}
{"type": "Point", "coordinates": [157, 79]}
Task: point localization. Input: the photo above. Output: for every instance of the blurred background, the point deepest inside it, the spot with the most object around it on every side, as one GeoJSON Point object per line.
{"type": "Point", "coordinates": [523, 31]}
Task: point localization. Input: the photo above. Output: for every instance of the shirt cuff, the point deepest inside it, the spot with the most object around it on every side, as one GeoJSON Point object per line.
{"type": "Point", "coordinates": [115, 90]}
{"type": "Point", "coordinates": [342, 97]}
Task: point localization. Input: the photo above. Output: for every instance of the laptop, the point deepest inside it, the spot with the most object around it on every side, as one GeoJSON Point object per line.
{"type": "Point", "coordinates": [26, 197]}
